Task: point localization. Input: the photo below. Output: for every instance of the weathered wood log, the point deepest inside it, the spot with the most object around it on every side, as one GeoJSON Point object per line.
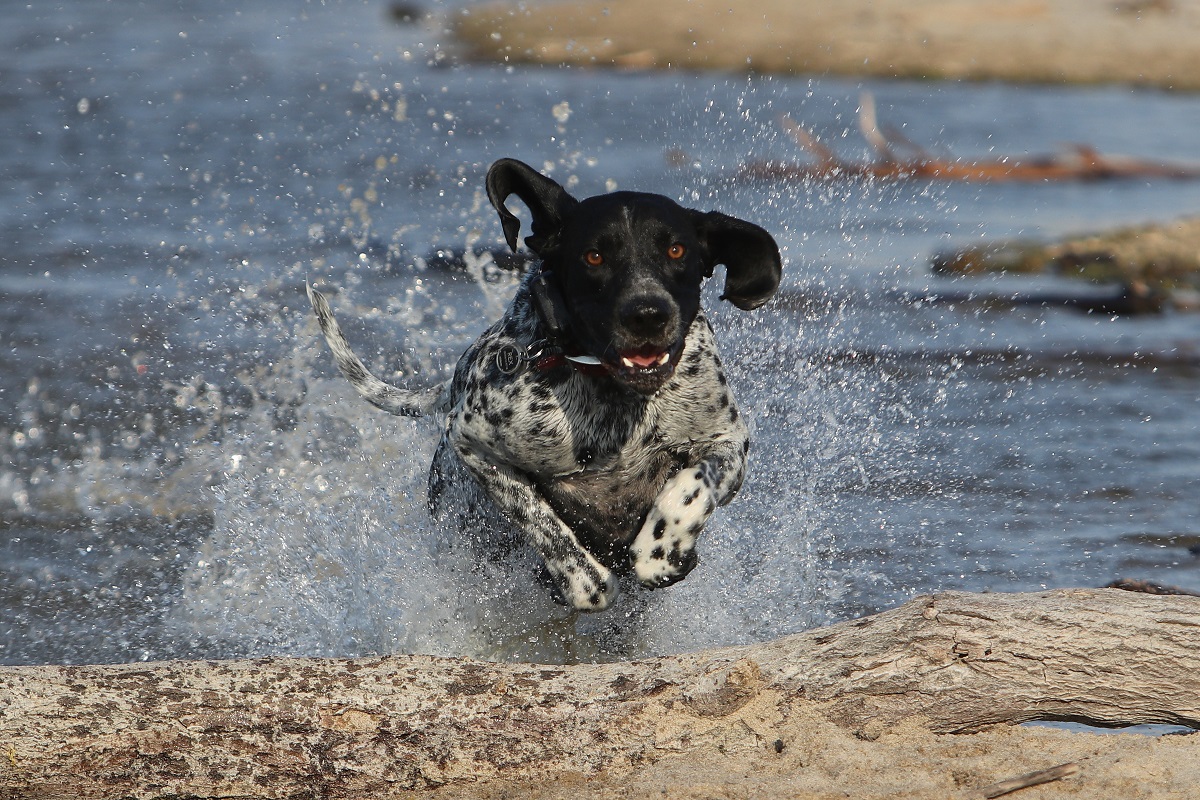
{"type": "Point", "coordinates": [1079, 163]}
{"type": "Point", "coordinates": [386, 726]}
{"type": "Point", "coordinates": [1165, 257]}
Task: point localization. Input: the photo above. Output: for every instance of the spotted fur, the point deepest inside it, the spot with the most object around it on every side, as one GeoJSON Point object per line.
{"type": "Point", "coordinates": [600, 473]}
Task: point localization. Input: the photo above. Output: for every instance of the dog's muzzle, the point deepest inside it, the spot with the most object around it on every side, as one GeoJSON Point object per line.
{"type": "Point", "coordinates": [644, 369]}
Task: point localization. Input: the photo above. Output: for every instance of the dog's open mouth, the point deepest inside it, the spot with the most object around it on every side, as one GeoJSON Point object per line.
{"type": "Point", "coordinates": [644, 369]}
{"type": "Point", "coordinates": [645, 360]}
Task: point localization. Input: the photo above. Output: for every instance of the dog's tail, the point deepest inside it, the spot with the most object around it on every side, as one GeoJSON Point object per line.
{"type": "Point", "coordinates": [402, 402]}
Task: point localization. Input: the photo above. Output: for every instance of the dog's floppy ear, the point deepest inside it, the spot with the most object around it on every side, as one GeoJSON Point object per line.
{"type": "Point", "coordinates": [751, 258]}
{"type": "Point", "coordinates": [548, 202]}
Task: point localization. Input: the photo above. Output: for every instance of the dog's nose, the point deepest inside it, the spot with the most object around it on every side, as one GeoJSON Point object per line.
{"type": "Point", "coordinates": [647, 315]}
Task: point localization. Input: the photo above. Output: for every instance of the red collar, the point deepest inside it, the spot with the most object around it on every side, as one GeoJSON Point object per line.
{"type": "Point", "coordinates": [584, 365]}
{"type": "Point", "coordinates": [545, 357]}
{"type": "Point", "coordinates": [551, 311]}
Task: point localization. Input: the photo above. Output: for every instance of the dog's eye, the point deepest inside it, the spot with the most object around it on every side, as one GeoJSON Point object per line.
{"type": "Point", "coordinates": [676, 251]}
{"type": "Point", "coordinates": [593, 258]}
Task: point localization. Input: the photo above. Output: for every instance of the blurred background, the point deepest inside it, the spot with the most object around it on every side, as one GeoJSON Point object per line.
{"type": "Point", "coordinates": [184, 474]}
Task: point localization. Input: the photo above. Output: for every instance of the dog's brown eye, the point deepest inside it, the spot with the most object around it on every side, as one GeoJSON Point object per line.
{"type": "Point", "coordinates": [676, 251]}
{"type": "Point", "coordinates": [593, 258]}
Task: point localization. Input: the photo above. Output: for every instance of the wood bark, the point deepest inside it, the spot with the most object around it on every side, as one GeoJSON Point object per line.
{"type": "Point", "coordinates": [378, 727]}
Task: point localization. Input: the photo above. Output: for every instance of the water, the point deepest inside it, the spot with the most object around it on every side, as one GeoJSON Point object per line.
{"type": "Point", "coordinates": [185, 475]}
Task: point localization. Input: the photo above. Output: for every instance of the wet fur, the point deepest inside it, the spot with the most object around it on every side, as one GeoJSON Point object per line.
{"type": "Point", "coordinates": [598, 473]}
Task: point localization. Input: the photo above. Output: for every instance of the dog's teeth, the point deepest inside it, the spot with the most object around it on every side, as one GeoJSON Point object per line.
{"type": "Point", "coordinates": [663, 358]}
{"type": "Point", "coordinates": [627, 362]}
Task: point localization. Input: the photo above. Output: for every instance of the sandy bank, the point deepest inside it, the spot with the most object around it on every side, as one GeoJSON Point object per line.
{"type": "Point", "coordinates": [1143, 42]}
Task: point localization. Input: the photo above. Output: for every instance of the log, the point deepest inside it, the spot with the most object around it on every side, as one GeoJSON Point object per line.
{"type": "Point", "coordinates": [399, 725]}
{"type": "Point", "coordinates": [1163, 256]}
{"type": "Point", "coordinates": [1080, 163]}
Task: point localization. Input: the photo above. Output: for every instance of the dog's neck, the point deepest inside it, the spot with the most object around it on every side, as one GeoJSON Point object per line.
{"type": "Point", "coordinates": [561, 350]}
{"type": "Point", "coordinates": [547, 344]}
{"type": "Point", "coordinates": [550, 308]}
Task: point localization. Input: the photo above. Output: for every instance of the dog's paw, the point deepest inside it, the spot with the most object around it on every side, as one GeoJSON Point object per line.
{"type": "Point", "coordinates": [664, 551]}
{"type": "Point", "coordinates": [587, 586]}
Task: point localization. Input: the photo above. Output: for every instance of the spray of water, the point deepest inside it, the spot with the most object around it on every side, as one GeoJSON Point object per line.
{"type": "Point", "coordinates": [316, 540]}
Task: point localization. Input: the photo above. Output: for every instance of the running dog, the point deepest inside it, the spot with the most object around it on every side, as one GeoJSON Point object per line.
{"type": "Point", "coordinates": [594, 420]}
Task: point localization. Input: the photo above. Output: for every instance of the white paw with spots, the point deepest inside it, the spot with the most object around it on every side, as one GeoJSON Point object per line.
{"type": "Point", "coordinates": [664, 550]}
{"type": "Point", "coordinates": [587, 586]}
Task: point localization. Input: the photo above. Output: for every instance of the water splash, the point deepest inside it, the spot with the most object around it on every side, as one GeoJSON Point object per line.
{"type": "Point", "coordinates": [317, 540]}
{"type": "Point", "coordinates": [321, 545]}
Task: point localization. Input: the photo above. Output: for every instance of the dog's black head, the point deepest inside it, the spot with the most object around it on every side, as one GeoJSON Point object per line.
{"type": "Point", "coordinates": [629, 266]}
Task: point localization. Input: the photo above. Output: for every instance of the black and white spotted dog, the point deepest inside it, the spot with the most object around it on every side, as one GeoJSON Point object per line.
{"type": "Point", "coordinates": [594, 419]}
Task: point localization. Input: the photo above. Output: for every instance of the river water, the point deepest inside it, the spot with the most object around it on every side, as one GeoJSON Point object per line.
{"type": "Point", "coordinates": [183, 473]}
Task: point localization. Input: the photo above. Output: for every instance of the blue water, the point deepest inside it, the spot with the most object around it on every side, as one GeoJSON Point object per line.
{"type": "Point", "coordinates": [185, 475]}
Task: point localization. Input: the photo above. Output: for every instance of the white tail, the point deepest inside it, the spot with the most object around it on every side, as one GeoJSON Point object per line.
{"type": "Point", "coordinates": [392, 399]}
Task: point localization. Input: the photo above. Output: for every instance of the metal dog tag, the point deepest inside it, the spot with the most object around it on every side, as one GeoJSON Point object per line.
{"type": "Point", "coordinates": [508, 359]}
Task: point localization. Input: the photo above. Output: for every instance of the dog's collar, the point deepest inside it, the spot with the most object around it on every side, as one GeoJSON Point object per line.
{"type": "Point", "coordinates": [557, 348]}
{"type": "Point", "coordinates": [583, 364]}
{"type": "Point", "coordinates": [545, 356]}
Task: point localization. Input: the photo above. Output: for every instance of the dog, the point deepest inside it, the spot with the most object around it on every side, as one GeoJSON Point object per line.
{"type": "Point", "coordinates": [593, 420]}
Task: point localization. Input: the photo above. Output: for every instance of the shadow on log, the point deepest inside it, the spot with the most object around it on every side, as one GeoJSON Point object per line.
{"type": "Point", "coordinates": [949, 663]}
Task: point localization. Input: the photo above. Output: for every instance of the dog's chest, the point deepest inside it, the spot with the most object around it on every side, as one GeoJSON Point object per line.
{"type": "Point", "coordinates": [557, 424]}
{"type": "Point", "coordinates": [597, 453]}
{"type": "Point", "coordinates": [600, 456]}
{"type": "Point", "coordinates": [553, 428]}
{"type": "Point", "coordinates": [610, 467]}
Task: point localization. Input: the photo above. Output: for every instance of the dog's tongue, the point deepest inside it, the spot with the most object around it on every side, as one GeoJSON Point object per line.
{"type": "Point", "coordinates": [644, 359]}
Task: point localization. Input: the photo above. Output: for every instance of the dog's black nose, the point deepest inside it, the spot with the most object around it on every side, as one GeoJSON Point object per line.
{"type": "Point", "coordinates": [647, 315]}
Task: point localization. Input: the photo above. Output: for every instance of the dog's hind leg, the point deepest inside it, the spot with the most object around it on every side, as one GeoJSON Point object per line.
{"type": "Point", "coordinates": [402, 402]}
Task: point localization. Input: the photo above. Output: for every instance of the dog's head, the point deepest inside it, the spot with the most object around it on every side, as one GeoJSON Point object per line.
{"type": "Point", "coordinates": [628, 267]}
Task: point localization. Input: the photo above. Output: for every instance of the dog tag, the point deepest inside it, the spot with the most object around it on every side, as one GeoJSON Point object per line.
{"type": "Point", "coordinates": [508, 359]}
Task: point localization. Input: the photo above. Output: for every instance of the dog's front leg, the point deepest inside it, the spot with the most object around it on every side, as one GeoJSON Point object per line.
{"type": "Point", "coordinates": [585, 583]}
{"type": "Point", "coordinates": [664, 552]}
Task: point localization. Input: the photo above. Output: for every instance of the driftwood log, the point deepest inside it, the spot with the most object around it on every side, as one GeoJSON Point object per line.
{"type": "Point", "coordinates": [1078, 163]}
{"type": "Point", "coordinates": [394, 726]}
